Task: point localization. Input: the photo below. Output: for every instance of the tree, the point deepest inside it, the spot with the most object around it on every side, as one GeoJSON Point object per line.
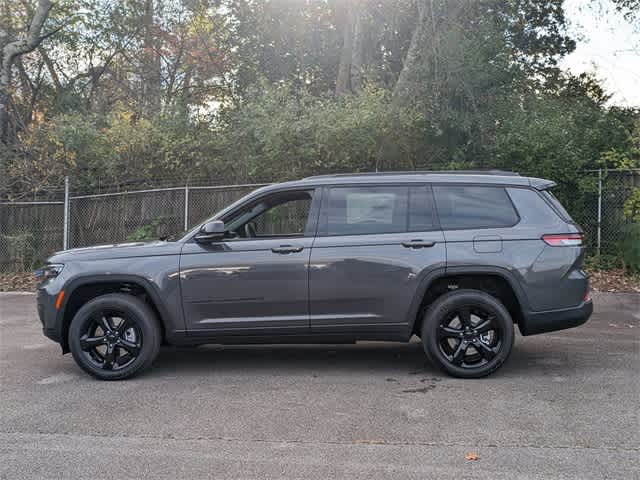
{"type": "Point", "coordinates": [12, 50]}
{"type": "Point", "coordinates": [244, 90]}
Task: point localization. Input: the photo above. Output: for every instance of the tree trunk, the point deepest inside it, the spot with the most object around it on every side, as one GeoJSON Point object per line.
{"type": "Point", "coordinates": [355, 53]}
{"type": "Point", "coordinates": [434, 16]}
{"type": "Point", "coordinates": [52, 70]}
{"type": "Point", "coordinates": [151, 78]}
{"type": "Point", "coordinates": [343, 79]}
{"type": "Point", "coordinates": [409, 73]}
{"type": "Point", "coordinates": [359, 49]}
{"type": "Point", "coordinates": [13, 50]}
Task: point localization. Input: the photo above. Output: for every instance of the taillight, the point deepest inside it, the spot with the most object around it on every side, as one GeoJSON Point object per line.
{"type": "Point", "coordinates": [563, 239]}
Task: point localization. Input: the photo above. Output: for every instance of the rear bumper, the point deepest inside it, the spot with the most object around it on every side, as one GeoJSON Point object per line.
{"type": "Point", "coordinates": [552, 320]}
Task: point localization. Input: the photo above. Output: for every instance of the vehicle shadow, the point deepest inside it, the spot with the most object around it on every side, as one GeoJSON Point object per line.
{"type": "Point", "coordinates": [387, 359]}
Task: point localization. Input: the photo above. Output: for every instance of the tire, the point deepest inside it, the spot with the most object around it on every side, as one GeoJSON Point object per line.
{"type": "Point", "coordinates": [114, 336]}
{"type": "Point", "coordinates": [467, 333]}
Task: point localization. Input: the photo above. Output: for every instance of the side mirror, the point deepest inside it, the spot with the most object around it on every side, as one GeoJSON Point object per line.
{"type": "Point", "coordinates": [211, 231]}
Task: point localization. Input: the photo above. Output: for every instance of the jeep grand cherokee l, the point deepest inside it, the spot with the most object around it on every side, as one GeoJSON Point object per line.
{"type": "Point", "coordinates": [454, 258]}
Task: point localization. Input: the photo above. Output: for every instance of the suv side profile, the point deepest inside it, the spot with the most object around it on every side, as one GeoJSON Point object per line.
{"type": "Point", "coordinates": [454, 258]}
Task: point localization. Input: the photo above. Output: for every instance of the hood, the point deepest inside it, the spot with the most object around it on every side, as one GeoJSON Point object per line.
{"type": "Point", "coordinates": [117, 250]}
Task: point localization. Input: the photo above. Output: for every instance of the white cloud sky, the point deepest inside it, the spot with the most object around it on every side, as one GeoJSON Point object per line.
{"type": "Point", "coordinates": [607, 45]}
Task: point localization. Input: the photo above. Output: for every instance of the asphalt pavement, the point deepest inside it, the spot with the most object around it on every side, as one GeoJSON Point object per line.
{"type": "Point", "coordinates": [566, 405]}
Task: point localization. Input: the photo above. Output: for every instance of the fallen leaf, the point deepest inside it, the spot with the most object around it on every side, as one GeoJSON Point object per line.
{"type": "Point", "coordinates": [473, 456]}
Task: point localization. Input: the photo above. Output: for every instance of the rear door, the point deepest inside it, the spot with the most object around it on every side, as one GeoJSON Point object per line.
{"type": "Point", "coordinates": [375, 243]}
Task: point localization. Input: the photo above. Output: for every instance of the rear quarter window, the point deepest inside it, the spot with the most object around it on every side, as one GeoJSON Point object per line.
{"type": "Point", "coordinates": [557, 206]}
{"type": "Point", "coordinates": [465, 207]}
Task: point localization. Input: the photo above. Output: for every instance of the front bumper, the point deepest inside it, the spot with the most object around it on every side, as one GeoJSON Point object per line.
{"type": "Point", "coordinates": [533, 323]}
{"type": "Point", "coordinates": [48, 314]}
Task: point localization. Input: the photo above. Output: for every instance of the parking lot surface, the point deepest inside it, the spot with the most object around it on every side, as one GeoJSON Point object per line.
{"type": "Point", "coordinates": [566, 405]}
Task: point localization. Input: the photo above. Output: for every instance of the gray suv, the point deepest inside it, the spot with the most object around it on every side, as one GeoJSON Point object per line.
{"type": "Point", "coordinates": [454, 258]}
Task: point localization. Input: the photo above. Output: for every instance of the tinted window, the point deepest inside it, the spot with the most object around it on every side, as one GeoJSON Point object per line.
{"type": "Point", "coordinates": [362, 210]}
{"type": "Point", "coordinates": [557, 205]}
{"type": "Point", "coordinates": [370, 210]}
{"type": "Point", "coordinates": [281, 214]}
{"type": "Point", "coordinates": [474, 207]}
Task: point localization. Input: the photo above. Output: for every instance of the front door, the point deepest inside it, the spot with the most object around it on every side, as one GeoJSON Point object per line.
{"type": "Point", "coordinates": [375, 245]}
{"type": "Point", "coordinates": [255, 281]}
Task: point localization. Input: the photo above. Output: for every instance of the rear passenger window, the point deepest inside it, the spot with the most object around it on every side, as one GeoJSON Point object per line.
{"type": "Point", "coordinates": [474, 207]}
{"type": "Point", "coordinates": [366, 210]}
{"type": "Point", "coordinates": [384, 209]}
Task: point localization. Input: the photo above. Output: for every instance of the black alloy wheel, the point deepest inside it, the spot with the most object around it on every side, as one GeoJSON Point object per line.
{"type": "Point", "coordinates": [114, 336]}
{"type": "Point", "coordinates": [470, 336]}
{"type": "Point", "coordinates": [112, 340]}
{"type": "Point", "coordinates": [467, 333]}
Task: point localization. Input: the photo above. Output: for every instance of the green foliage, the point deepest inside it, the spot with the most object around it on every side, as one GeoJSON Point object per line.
{"type": "Point", "coordinates": [630, 248]}
{"type": "Point", "coordinates": [603, 262]}
{"type": "Point", "coordinates": [631, 208]}
{"type": "Point", "coordinates": [21, 249]}
{"type": "Point", "coordinates": [150, 231]}
{"type": "Point", "coordinates": [281, 133]}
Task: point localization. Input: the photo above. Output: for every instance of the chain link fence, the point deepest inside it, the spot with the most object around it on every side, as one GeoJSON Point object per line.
{"type": "Point", "coordinates": [599, 207]}
{"type": "Point", "coordinates": [31, 231]}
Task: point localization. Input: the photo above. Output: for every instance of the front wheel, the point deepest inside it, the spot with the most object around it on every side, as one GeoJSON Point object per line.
{"type": "Point", "coordinates": [114, 336]}
{"type": "Point", "coordinates": [467, 333]}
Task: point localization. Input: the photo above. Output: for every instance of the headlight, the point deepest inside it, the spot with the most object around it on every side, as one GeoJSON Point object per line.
{"type": "Point", "coordinates": [50, 270]}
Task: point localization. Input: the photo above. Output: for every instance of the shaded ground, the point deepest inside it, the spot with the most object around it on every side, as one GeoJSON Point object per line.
{"type": "Point", "coordinates": [564, 406]}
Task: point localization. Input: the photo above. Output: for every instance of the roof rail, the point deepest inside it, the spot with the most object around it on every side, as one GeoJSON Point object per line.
{"type": "Point", "coordinates": [503, 173]}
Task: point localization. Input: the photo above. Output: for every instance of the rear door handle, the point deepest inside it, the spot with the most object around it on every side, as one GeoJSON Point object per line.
{"type": "Point", "coordinates": [418, 244]}
{"type": "Point", "coordinates": [284, 249]}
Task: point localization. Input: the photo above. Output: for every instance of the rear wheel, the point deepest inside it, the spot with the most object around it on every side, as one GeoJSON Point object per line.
{"type": "Point", "coordinates": [467, 333]}
{"type": "Point", "coordinates": [114, 336]}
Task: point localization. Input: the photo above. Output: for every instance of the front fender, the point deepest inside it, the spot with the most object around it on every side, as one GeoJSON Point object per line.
{"type": "Point", "coordinates": [164, 292]}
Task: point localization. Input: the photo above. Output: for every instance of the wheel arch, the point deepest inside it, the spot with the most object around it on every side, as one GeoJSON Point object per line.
{"type": "Point", "coordinates": [431, 286]}
{"type": "Point", "coordinates": [82, 289]}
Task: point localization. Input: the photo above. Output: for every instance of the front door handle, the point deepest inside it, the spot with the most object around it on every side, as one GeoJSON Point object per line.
{"type": "Point", "coordinates": [284, 249]}
{"type": "Point", "coordinates": [418, 244]}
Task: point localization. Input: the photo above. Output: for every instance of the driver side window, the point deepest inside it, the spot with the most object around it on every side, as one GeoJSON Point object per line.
{"type": "Point", "coordinates": [279, 215]}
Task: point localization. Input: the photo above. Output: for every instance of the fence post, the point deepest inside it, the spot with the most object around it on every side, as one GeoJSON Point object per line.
{"type": "Point", "coordinates": [65, 232]}
{"type": "Point", "coordinates": [186, 207]}
{"type": "Point", "coordinates": [599, 209]}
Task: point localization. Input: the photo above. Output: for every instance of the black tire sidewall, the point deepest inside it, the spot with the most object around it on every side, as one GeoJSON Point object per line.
{"type": "Point", "coordinates": [145, 320]}
{"type": "Point", "coordinates": [442, 307]}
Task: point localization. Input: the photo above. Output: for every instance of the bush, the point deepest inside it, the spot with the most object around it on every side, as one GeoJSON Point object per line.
{"type": "Point", "coordinates": [158, 228]}
{"type": "Point", "coordinates": [603, 262]}
{"type": "Point", "coordinates": [630, 248]}
{"type": "Point", "coordinates": [21, 251]}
